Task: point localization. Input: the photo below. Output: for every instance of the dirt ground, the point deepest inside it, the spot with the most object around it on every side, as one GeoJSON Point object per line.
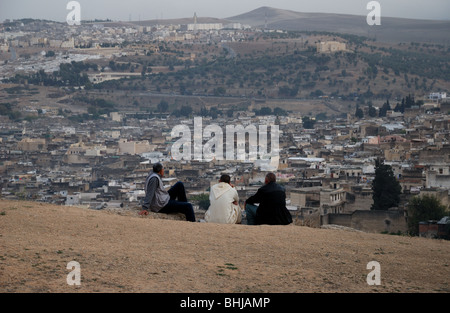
{"type": "Point", "coordinates": [127, 253]}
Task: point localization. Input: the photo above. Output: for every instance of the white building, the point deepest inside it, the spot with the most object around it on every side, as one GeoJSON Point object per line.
{"type": "Point", "coordinates": [437, 96]}
{"type": "Point", "coordinates": [135, 147]}
{"type": "Point", "coordinates": [204, 26]}
{"type": "Point", "coordinates": [330, 46]}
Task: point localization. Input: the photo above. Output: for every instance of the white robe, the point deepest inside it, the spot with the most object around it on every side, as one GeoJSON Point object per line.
{"type": "Point", "coordinates": [222, 210]}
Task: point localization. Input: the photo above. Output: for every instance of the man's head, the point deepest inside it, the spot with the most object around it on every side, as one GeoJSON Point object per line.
{"type": "Point", "coordinates": [159, 169]}
{"type": "Point", "coordinates": [270, 178]}
{"type": "Point", "coordinates": [225, 179]}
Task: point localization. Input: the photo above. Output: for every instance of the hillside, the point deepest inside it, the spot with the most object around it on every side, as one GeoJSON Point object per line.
{"type": "Point", "coordinates": [126, 253]}
{"type": "Point", "coordinates": [180, 21]}
{"type": "Point", "coordinates": [390, 30]}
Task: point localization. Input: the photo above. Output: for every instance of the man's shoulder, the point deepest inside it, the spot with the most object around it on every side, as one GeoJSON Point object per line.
{"type": "Point", "coordinates": [272, 187]}
{"type": "Point", "coordinates": [152, 178]}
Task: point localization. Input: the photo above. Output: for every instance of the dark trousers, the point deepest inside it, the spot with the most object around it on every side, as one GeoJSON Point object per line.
{"type": "Point", "coordinates": [250, 211]}
{"type": "Point", "coordinates": [178, 203]}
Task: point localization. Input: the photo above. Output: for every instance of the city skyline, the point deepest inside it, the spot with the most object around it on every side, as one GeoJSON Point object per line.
{"type": "Point", "coordinates": [150, 10]}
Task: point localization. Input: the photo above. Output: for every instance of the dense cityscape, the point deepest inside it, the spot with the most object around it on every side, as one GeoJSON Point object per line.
{"type": "Point", "coordinates": [224, 155]}
{"type": "Point", "coordinates": [90, 138]}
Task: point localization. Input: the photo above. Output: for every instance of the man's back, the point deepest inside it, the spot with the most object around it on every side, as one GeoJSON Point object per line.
{"type": "Point", "coordinates": [272, 205]}
{"type": "Point", "coordinates": [222, 209]}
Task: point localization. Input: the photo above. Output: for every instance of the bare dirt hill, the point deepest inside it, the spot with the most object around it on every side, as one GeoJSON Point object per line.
{"type": "Point", "coordinates": [126, 253]}
{"type": "Point", "coordinates": [390, 30]}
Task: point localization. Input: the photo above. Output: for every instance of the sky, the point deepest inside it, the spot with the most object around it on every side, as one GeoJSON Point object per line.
{"type": "Point", "coordinates": [122, 10]}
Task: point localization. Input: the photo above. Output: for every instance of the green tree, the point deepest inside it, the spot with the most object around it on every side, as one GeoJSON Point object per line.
{"type": "Point", "coordinates": [386, 189]}
{"type": "Point", "coordinates": [264, 111]}
{"type": "Point", "coordinates": [202, 201]}
{"type": "Point", "coordinates": [386, 107]}
{"type": "Point", "coordinates": [423, 208]}
{"type": "Point", "coordinates": [308, 123]}
{"type": "Point", "coordinates": [184, 111]}
{"type": "Point", "coordinates": [280, 112]}
{"type": "Point", "coordinates": [163, 106]}
{"type": "Point", "coordinates": [321, 116]}
{"type": "Point", "coordinates": [220, 91]}
{"type": "Point", "coordinates": [359, 112]}
{"type": "Point", "coordinates": [372, 111]}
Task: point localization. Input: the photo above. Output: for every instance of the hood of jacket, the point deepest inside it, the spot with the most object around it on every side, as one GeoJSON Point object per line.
{"type": "Point", "coordinates": [220, 189]}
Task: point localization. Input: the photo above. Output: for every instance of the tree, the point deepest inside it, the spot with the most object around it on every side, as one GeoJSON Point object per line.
{"type": "Point", "coordinates": [220, 91]}
{"type": "Point", "coordinates": [163, 106]}
{"type": "Point", "coordinates": [423, 208]}
{"type": "Point", "coordinates": [308, 123]}
{"type": "Point", "coordinates": [386, 107]}
{"type": "Point", "coordinates": [372, 111]}
{"type": "Point", "coordinates": [359, 113]}
{"type": "Point", "coordinates": [184, 111]}
{"type": "Point", "coordinates": [202, 201]}
{"type": "Point", "coordinates": [386, 189]}
{"type": "Point", "coordinates": [321, 116]}
{"type": "Point", "coordinates": [280, 112]}
{"type": "Point", "coordinates": [264, 111]}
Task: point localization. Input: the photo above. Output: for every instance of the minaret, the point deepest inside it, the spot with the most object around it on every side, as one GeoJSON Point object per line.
{"type": "Point", "coordinates": [195, 22]}
{"type": "Point", "coordinates": [265, 22]}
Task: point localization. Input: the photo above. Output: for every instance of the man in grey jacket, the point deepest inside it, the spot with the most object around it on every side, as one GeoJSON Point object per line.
{"type": "Point", "coordinates": [158, 200]}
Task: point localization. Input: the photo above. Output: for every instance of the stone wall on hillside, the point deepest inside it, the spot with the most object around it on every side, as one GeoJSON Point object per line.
{"type": "Point", "coordinates": [391, 221]}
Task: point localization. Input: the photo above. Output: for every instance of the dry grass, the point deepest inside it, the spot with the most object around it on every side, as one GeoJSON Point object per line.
{"type": "Point", "coordinates": [126, 253]}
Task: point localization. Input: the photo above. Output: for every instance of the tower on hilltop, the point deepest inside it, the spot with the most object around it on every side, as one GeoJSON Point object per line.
{"type": "Point", "coordinates": [195, 21]}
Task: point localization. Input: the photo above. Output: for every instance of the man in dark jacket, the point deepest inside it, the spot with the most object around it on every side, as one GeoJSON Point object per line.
{"type": "Point", "coordinates": [272, 205]}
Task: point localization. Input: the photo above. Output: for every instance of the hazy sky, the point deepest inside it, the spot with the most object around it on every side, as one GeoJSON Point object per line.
{"type": "Point", "coordinates": [152, 9]}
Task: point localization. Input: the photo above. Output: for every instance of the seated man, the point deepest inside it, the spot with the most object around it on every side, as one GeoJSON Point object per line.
{"type": "Point", "coordinates": [224, 207]}
{"type": "Point", "coordinates": [158, 200]}
{"type": "Point", "coordinates": [272, 205]}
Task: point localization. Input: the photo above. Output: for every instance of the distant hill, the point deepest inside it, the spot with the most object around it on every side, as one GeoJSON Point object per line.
{"type": "Point", "coordinates": [391, 30]}
{"type": "Point", "coordinates": [180, 21]}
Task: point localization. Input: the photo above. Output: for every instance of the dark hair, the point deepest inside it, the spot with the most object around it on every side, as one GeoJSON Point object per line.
{"type": "Point", "coordinates": [225, 178]}
{"type": "Point", "coordinates": [157, 167]}
{"type": "Point", "coordinates": [271, 178]}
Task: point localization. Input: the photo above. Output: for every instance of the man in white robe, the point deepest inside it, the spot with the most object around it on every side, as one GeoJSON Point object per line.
{"type": "Point", "coordinates": [224, 207]}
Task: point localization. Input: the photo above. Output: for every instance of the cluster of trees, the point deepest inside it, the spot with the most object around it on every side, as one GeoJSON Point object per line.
{"type": "Point", "coordinates": [6, 109]}
{"type": "Point", "coordinates": [308, 123]}
{"type": "Point", "coordinates": [69, 74]}
{"type": "Point", "coordinates": [406, 103]}
{"type": "Point", "coordinates": [433, 66]}
{"type": "Point", "coordinates": [212, 112]}
{"type": "Point", "coordinates": [286, 91]}
{"type": "Point", "coordinates": [383, 110]}
{"type": "Point", "coordinates": [162, 106]}
{"type": "Point", "coordinates": [423, 208]}
{"type": "Point", "coordinates": [184, 111]}
{"type": "Point", "coordinates": [264, 111]}
{"type": "Point", "coordinates": [119, 66]}
{"type": "Point", "coordinates": [386, 194]}
{"type": "Point", "coordinates": [97, 108]}
{"type": "Point", "coordinates": [250, 72]}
